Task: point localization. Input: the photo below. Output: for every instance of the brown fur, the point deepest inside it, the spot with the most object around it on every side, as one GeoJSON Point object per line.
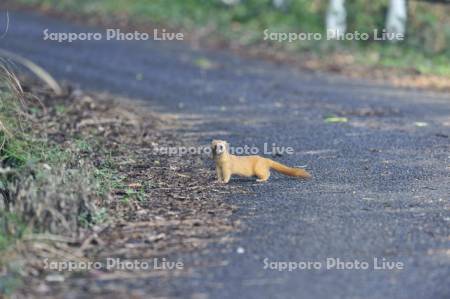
{"type": "Point", "coordinates": [228, 164]}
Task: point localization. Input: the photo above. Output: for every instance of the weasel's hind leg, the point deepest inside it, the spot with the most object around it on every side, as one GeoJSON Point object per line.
{"type": "Point", "coordinates": [262, 172]}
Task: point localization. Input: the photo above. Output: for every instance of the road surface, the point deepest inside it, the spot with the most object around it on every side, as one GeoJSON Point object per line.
{"type": "Point", "coordinates": [381, 186]}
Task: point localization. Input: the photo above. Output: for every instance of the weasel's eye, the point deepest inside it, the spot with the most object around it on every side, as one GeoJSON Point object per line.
{"type": "Point", "coordinates": [220, 148]}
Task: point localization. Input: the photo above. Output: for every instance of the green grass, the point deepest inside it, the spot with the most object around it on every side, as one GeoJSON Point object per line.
{"type": "Point", "coordinates": [38, 175]}
{"type": "Point", "coordinates": [425, 50]}
{"type": "Point", "coordinates": [9, 283]}
{"type": "Point", "coordinates": [20, 148]}
{"type": "Point", "coordinates": [87, 220]}
{"type": "Point", "coordinates": [108, 179]}
{"type": "Point", "coordinates": [12, 228]}
{"type": "Point", "coordinates": [404, 58]}
{"type": "Point", "coordinates": [41, 169]}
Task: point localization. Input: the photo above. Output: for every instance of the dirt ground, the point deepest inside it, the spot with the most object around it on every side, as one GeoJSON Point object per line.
{"type": "Point", "coordinates": [158, 203]}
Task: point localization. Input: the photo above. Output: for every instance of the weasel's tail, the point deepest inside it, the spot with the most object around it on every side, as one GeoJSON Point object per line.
{"type": "Point", "coordinates": [290, 171]}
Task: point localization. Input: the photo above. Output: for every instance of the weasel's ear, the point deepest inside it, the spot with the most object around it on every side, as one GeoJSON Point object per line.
{"type": "Point", "coordinates": [214, 148]}
{"type": "Point", "coordinates": [221, 148]}
{"type": "Point", "coordinates": [214, 145]}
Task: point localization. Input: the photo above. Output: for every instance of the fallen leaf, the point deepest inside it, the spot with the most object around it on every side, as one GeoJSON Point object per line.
{"type": "Point", "coordinates": [134, 185]}
{"type": "Point", "coordinates": [420, 124]}
{"type": "Point", "coordinates": [204, 63]}
{"type": "Point", "coordinates": [139, 76]}
{"type": "Point", "coordinates": [54, 278]}
{"type": "Point", "coordinates": [336, 119]}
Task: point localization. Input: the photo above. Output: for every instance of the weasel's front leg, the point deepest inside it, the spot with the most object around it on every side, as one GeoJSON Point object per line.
{"type": "Point", "coordinates": [226, 175]}
{"type": "Point", "coordinates": [219, 173]}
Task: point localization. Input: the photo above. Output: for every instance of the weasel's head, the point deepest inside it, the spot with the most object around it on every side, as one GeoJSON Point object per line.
{"type": "Point", "coordinates": [219, 147]}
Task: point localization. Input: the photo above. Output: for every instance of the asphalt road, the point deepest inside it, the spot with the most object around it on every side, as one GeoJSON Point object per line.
{"type": "Point", "coordinates": [381, 184]}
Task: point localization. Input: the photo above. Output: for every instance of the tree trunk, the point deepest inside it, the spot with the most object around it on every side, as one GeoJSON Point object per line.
{"type": "Point", "coordinates": [336, 19]}
{"type": "Point", "coordinates": [396, 17]}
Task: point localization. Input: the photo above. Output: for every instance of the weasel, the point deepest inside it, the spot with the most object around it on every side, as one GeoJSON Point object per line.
{"type": "Point", "coordinates": [228, 164]}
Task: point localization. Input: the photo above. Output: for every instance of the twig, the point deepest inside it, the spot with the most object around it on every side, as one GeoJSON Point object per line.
{"type": "Point", "coordinates": [34, 68]}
